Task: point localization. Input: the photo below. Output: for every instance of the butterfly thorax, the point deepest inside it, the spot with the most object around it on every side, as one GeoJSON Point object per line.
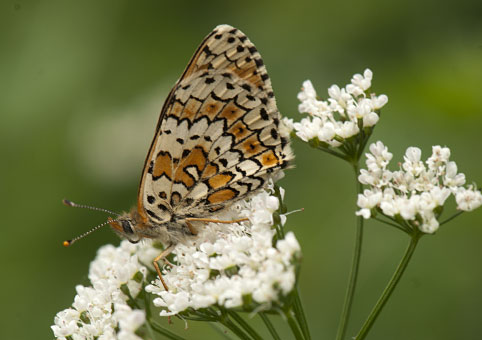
{"type": "Point", "coordinates": [132, 227]}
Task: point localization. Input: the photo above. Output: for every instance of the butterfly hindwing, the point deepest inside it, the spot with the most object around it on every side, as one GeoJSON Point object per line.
{"type": "Point", "coordinates": [218, 138]}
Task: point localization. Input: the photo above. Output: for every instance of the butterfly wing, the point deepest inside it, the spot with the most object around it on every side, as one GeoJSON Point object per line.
{"type": "Point", "coordinates": [218, 136]}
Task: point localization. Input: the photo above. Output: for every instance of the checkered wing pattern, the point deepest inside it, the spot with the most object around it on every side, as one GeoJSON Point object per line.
{"type": "Point", "coordinates": [218, 138]}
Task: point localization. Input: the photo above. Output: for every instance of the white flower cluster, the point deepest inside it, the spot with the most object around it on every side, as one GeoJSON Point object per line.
{"type": "Point", "coordinates": [418, 190]}
{"type": "Point", "coordinates": [100, 311]}
{"type": "Point", "coordinates": [341, 116]}
{"type": "Point", "coordinates": [228, 263]}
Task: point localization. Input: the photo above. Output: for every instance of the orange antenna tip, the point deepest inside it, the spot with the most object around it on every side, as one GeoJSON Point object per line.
{"type": "Point", "coordinates": [67, 243]}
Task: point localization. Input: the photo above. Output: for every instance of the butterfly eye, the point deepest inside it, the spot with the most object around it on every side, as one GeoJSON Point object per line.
{"type": "Point", "coordinates": [126, 226]}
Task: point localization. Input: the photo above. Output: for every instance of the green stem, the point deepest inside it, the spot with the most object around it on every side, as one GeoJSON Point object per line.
{"type": "Point", "coordinates": [390, 287]}
{"type": "Point", "coordinates": [168, 334]}
{"type": "Point", "coordinates": [293, 325]}
{"type": "Point", "coordinates": [219, 329]}
{"type": "Point", "coordinates": [297, 305]}
{"type": "Point", "coordinates": [300, 315]}
{"type": "Point", "coordinates": [451, 218]}
{"type": "Point", "coordinates": [224, 319]}
{"type": "Point", "coordinates": [399, 227]}
{"type": "Point", "coordinates": [364, 142]}
{"type": "Point", "coordinates": [269, 325]}
{"type": "Point", "coordinates": [334, 153]}
{"type": "Point", "coordinates": [235, 329]}
{"type": "Point", "coordinates": [350, 292]}
{"type": "Point", "coordinates": [236, 317]}
{"type": "Point", "coordinates": [151, 331]}
{"type": "Point", "coordinates": [147, 306]}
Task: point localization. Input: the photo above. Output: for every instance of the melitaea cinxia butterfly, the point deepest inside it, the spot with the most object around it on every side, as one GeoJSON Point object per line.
{"type": "Point", "coordinates": [217, 141]}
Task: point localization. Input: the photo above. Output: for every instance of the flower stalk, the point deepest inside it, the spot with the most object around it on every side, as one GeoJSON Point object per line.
{"type": "Point", "coordinates": [163, 331]}
{"type": "Point", "coordinates": [250, 330]}
{"type": "Point", "coordinates": [293, 325]}
{"type": "Point", "coordinates": [269, 326]}
{"type": "Point", "coordinates": [355, 267]}
{"type": "Point", "coordinates": [392, 284]}
{"type": "Point", "coordinates": [300, 314]}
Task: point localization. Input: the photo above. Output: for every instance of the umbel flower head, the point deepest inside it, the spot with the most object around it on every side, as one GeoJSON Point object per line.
{"type": "Point", "coordinates": [240, 265]}
{"type": "Point", "coordinates": [101, 311]}
{"type": "Point", "coordinates": [416, 193]}
{"type": "Point", "coordinates": [348, 112]}
{"type": "Point", "coordinates": [232, 266]}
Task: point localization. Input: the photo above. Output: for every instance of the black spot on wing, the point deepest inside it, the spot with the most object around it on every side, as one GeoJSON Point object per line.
{"type": "Point", "coordinates": [152, 214]}
{"type": "Point", "coordinates": [224, 162]}
{"type": "Point", "coordinates": [246, 87]}
{"type": "Point", "coordinates": [263, 113]}
{"type": "Point", "coordinates": [209, 80]}
{"type": "Point", "coordinates": [207, 50]}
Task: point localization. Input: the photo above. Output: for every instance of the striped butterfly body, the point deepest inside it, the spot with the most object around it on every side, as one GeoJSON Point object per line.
{"type": "Point", "coordinates": [217, 141]}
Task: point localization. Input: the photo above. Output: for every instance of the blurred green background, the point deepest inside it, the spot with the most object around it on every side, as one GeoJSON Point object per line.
{"type": "Point", "coordinates": [81, 86]}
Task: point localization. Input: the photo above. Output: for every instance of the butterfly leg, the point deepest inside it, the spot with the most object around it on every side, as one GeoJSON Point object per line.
{"type": "Point", "coordinates": [162, 256]}
{"type": "Point", "coordinates": [210, 220]}
{"type": "Point", "coordinates": [191, 228]}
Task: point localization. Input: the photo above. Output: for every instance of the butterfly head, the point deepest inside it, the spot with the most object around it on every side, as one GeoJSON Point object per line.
{"type": "Point", "coordinates": [126, 227]}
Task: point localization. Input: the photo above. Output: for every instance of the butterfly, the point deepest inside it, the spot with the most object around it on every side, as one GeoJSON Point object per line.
{"type": "Point", "coordinates": [218, 140]}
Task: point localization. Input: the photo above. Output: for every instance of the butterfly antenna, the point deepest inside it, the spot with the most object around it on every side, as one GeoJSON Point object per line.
{"type": "Point", "coordinates": [69, 242]}
{"type": "Point", "coordinates": [75, 205]}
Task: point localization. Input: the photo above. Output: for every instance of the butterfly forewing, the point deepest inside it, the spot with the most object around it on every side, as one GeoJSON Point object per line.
{"type": "Point", "coordinates": [218, 138]}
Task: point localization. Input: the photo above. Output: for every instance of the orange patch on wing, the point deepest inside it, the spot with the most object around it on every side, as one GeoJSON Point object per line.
{"type": "Point", "coordinates": [231, 112]}
{"type": "Point", "coordinates": [252, 146]}
{"type": "Point", "coordinates": [239, 131]}
{"type": "Point", "coordinates": [221, 196]}
{"type": "Point", "coordinates": [210, 108]}
{"type": "Point", "coordinates": [210, 170]}
{"type": "Point", "coordinates": [176, 109]}
{"type": "Point", "coordinates": [219, 180]}
{"type": "Point", "coordinates": [163, 166]}
{"type": "Point", "coordinates": [269, 159]}
{"type": "Point", "coordinates": [196, 157]}
{"type": "Point", "coordinates": [255, 79]}
{"type": "Point", "coordinates": [249, 73]}
{"type": "Point", "coordinates": [191, 108]}
{"type": "Point", "coordinates": [184, 177]}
